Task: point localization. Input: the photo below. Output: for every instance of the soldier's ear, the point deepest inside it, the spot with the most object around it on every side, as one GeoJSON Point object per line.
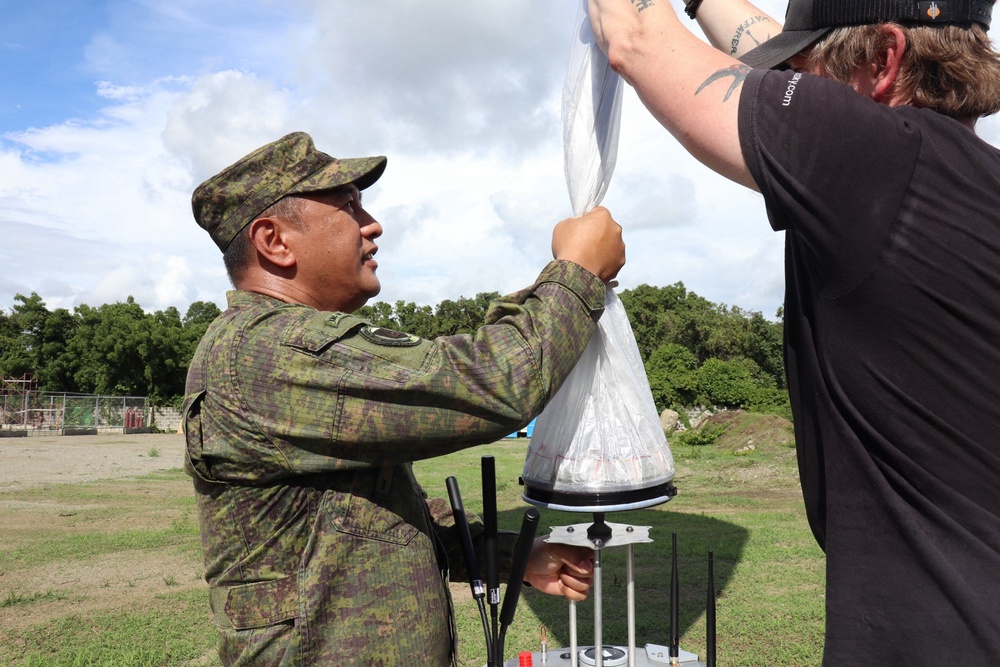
{"type": "Point", "coordinates": [270, 238]}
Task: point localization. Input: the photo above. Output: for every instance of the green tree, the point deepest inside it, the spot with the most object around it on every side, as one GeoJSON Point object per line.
{"type": "Point", "coordinates": [380, 314]}
{"type": "Point", "coordinates": [29, 315]}
{"type": "Point", "coordinates": [34, 343]}
{"type": "Point", "coordinates": [697, 351]}
{"type": "Point", "coordinates": [766, 347]}
{"type": "Point", "coordinates": [729, 384]}
{"type": "Point", "coordinates": [110, 342]}
{"type": "Point", "coordinates": [198, 317]}
{"type": "Point", "coordinates": [464, 315]}
{"type": "Point", "coordinates": [57, 365]}
{"type": "Point", "coordinates": [671, 371]}
{"type": "Point", "coordinates": [740, 383]}
{"type": "Point", "coordinates": [165, 352]}
{"type": "Point", "coordinates": [648, 309]}
{"type": "Point", "coordinates": [694, 350]}
{"type": "Point", "coordinates": [417, 320]}
{"type": "Point", "coordinates": [404, 316]}
{"type": "Point", "coordinates": [13, 355]}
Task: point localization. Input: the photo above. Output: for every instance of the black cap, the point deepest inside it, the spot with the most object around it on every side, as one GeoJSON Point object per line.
{"type": "Point", "coordinates": [806, 21]}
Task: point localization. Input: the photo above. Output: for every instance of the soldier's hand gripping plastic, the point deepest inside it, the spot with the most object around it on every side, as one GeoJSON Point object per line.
{"type": "Point", "coordinates": [594, 241]}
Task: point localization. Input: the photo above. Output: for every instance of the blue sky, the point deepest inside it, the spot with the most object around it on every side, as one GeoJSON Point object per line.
{"type": "Point", "coordinates": [111, 112]}
{"type": "Point", "coordinates": [41, 76]}
{"type": "Point", "coordinates": [54, 51]}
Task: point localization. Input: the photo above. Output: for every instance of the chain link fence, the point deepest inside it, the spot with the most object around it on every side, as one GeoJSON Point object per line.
{"type": "Point", "coordinates": [33, 412]}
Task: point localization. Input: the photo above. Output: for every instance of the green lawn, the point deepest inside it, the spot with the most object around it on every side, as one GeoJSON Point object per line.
{"type": "Point", "coordinates": [746, 507]}
{"type": "Point", "coordinates": [108, 573]}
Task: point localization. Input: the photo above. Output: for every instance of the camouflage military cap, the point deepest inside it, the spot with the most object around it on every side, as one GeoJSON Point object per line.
{"type": "Point", "coordinates": [233, 198]}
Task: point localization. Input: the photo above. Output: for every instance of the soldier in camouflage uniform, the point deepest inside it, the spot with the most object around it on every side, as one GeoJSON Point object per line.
{"type": "Point", "coordinates": [302, 419]}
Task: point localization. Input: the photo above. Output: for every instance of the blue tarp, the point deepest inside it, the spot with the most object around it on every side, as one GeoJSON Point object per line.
{"type": "Point", "coordinates": [524, 432]}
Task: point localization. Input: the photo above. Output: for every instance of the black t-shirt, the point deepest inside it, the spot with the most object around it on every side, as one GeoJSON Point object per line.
{"type": "Point", "coordinates": [892, 349]}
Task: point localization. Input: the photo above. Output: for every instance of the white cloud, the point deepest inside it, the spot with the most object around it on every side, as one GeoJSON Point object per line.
{"type": "Point", "coordinates": [94, 200]}
{"type": "Point", "coordinates": [463, 97]}
{"type": "Point", "coordinates": [441, 77]}
{"type": "Point", "coordinates": [222, 117]}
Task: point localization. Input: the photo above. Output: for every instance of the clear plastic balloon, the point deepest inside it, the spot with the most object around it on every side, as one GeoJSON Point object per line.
{"type": "Point", "coordinates": [598, 445]}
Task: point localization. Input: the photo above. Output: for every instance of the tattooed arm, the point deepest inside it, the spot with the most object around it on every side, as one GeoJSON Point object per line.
{"type": "Point", "coordinates": [735, 26]}
{"type": "Point", "coordinates": [692, 89]}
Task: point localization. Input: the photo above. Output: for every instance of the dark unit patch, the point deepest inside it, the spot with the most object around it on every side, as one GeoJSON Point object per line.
{"type": "Point", "coordinates": [388, 337]}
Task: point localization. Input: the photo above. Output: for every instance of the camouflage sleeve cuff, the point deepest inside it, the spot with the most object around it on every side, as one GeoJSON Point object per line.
{"type": "Point", "coordinates": [585, 285]}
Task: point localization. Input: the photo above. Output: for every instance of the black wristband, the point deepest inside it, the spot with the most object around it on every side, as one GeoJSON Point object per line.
{"type": "Point", "coordinates": [691, 7]}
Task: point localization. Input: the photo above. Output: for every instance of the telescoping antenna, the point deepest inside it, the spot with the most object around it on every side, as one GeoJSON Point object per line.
{"type": "Point", "coordinates": [710, 614]}
{"type": "Point", "coordinates": [522, 549]}
{"type": "Point", "coordinates": [675, 605]}
{"type": "Point", "coordinates": [488, 467]}
{"type": "Point", "coordinates": [496, 635]}
{"type": "Point", "coordinates": [471, 562]}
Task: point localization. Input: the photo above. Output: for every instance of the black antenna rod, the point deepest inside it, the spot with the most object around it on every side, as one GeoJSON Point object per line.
{"type": "Point", "coordinates": [675, 606]}
{"type": "Point", "coordinates": [519, 563]}
{"type": "Point", "coordinates": [471, 562]}
{"type": "Point", "coordinates": [710, 615]}
{"type": "Point", "coordinates": [492, 554]}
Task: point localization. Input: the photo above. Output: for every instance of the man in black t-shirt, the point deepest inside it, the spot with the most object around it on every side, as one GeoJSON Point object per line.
{"type": "Point", "coordinates": [864, 149]}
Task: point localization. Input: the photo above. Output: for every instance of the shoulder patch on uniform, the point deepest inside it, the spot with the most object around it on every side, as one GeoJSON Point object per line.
{"type": "Point", "coordinates": [388, 337]}
{"type": "Point", "coordinates": [335, 319]}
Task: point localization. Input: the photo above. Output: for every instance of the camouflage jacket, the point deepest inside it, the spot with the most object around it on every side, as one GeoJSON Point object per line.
{"type": "Point", "coordinates": [320, 547]}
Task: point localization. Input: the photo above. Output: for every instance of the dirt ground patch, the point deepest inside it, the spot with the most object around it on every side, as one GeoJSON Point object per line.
{"type": "Point", "coordinates": [27, 462]}
{"type": "Point", "coordinates": [75, 495]}
{"type": "Point", "coordinates": [106, 583]}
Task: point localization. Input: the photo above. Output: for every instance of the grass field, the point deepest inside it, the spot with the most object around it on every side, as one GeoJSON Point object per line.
{"type": "Point", "coordinates": [108, 573]}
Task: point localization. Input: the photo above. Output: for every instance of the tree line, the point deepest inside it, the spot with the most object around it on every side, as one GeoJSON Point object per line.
{"type": "Point", "coordinates": [116, 349]}
{"type": "Point", "coordinates": [695, 352]}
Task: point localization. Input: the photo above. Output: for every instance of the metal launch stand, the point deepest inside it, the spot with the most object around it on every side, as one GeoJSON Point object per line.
{"type": "Point", "coordinates": [598, 536]}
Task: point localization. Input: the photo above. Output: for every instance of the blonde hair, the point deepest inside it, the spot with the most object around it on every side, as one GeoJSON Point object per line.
{"type": "Point", "coordinates": [950, 69]}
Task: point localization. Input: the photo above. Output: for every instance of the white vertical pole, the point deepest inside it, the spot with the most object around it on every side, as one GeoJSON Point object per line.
{"type": "Point", "coordinates": [598, 612]}
{"type": "Point", "coordinates": [573, 658]}
{"type": "Point", "coordinates": [630, 590]}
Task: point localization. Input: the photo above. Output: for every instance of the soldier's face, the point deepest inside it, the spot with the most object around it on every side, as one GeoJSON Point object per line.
{"type": "Point", "coordinates": [335, 252]}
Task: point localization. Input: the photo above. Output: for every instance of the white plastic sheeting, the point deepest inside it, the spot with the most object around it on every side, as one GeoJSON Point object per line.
{"type": "Point", "coordinates": [601, 433]}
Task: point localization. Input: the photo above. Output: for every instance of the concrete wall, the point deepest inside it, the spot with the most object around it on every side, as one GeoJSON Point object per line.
{"type": "Point", "coordinates": [167, 420]}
